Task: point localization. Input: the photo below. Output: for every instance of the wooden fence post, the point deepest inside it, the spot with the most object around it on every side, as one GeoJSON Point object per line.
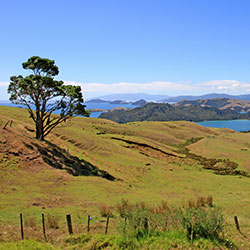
{"type": "Point", "coordinates": [88, 228]}
{"type": "Point", "coordinates": [44, 232]}
{"type": "Point", "coordinates": [69, 223]}
{"type": "Point", "coordinates": [107, 224]}
{"type": "Point", "coordinates": [21, 224]}
{"type": "Point", "coordinates": [237, 223]}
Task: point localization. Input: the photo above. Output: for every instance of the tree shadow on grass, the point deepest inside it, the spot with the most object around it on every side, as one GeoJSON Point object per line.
{"type": "Point", "coordinates": [59, 158]}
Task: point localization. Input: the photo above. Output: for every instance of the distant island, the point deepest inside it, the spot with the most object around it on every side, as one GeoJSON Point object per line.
{"type": "Point", "coordinates": [105, 110]}
{"type": "Point", "coordinates": [97, 101]}
{"type": "Point", "coordinates": [167, 112]}
{"type": "Point", "coordinates": [119, 102]}
{"type": "Point", "coordinates": [139, 103]}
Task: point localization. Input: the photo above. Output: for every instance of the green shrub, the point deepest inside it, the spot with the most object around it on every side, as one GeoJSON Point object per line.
{"type": "Point", "coordinates": [139, 221]}
{"type": "Point", "coordinates": [202, 222]}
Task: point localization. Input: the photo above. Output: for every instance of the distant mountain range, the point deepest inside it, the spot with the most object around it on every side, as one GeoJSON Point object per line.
{"type": "Point", "coordinates": [207, 96]}
{"type": "Point", "coordinates": [163, 98]}
{"type": "Point", "coordinates": [132, 97]}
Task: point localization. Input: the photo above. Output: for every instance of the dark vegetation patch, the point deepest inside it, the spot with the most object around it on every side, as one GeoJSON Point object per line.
{"type": "Point", "coordinates": [181, 147]}
{"type": "Point", "coordinates": [113, 130]}
{"type": "Point", "coordinates": [57, 157]}
{"type": "Point", "coordinates": [220, 166]}
{"type": "Point", "coordinates": [145, 146]}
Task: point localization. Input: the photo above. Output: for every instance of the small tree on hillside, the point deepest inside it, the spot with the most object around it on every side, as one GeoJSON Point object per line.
{"type": "Point", "coordinates": [43, 96]}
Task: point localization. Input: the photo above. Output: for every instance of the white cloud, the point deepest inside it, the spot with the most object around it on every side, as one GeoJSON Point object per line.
{"type": "Point", "coordinates": [91, 90]}
{"type": "Point", "coordinates": [168, 88]}
{"type": "Point", "coordinates": [228, 86]}
{"type": "Point", "coordinates": [130, 87]}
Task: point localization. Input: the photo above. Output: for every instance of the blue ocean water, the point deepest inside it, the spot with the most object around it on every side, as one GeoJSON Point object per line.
{"type": "Point", "coordinates": [103, 106]}
{"type": "Point", "coordinates": [238, 125]}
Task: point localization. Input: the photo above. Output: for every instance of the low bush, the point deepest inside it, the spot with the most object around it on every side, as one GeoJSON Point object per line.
{"type": "Point", "coordinates": [202, 219]}
{"type": "Point", "coordinates": [199, 220]}
{"type": "Point", "coordinates": [106, 211]}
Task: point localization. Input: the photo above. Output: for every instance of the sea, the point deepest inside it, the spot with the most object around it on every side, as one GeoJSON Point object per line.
{"type": "Point", "coordinates": [106, 106]}
{"type": "Point", "coordinates": [237, 125]}
{"type": "Point", "coordinates": [102, 106]}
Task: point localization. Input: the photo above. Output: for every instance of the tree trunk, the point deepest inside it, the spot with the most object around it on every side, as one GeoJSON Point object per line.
{"type": "Point", "coordinates": [39, 132]}
{"type": "Point", "coordinates": [39, 127]}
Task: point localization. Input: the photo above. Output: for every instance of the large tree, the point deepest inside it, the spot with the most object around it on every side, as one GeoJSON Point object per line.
{"type": "Point", "coordinates": [42, 95]}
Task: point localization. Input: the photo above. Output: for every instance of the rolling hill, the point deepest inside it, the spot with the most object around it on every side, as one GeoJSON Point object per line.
{"type": "Point", "coordinates": [219, 103]}
{"type": "Point", "coordinates": [88, 163]}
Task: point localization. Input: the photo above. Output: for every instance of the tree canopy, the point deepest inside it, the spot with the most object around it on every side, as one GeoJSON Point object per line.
{"type": "Point", "coordinates": [42, 95]}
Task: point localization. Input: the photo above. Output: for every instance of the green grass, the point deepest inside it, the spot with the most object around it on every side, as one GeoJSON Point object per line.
{"type": "Point", "coordinates": [234, 146]}
{"type": "Point", "coordinates": [27, 244]}
{"type": "Point", "coordinates": [143, 173]}
{"type": "Point", "coordinates": [164, 241]}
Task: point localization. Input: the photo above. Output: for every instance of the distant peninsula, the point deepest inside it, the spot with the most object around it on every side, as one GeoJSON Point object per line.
{"type": "Point", "coordinates": [97, 101]}
{"type": "Point", "coordinates": [167, 112]}
{"type": "Point", "coordinates": [220, 103]}
{"type": "Point", "coordinates": [139, 103]}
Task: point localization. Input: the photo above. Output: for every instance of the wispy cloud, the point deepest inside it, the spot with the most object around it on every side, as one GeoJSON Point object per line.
{"type": "Point", "coordinates": [168, 88]}
{"type": "Point", "coordinates": [127, 87]}
{"type": "Point", "coordinates": [158, 87]}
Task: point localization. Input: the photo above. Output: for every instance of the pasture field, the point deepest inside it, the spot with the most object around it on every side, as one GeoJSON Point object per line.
{"type": "Point", "coordinates": [89, 164]}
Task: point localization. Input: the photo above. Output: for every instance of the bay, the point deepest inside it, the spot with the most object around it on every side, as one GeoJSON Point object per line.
{"type": "Point", "coordinates": [106, 106]}
{"type": "Point", "coordinates": [102, 106]}
{"type": "Point", "coordinates": [237, 125]}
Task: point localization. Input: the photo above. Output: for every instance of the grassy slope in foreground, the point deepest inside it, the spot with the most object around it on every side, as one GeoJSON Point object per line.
{"type": "Point", "coordinates": [141, 156]}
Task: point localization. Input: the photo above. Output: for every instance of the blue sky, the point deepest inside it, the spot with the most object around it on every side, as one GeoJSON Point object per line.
{"type": "Point", "coordinates": [172, 47]}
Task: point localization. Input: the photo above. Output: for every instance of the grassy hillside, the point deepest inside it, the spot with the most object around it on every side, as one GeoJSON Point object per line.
{"type": "Point", "coordinates": [219, 103]}
{"type": "Point", "coordinates": [88, 164]}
